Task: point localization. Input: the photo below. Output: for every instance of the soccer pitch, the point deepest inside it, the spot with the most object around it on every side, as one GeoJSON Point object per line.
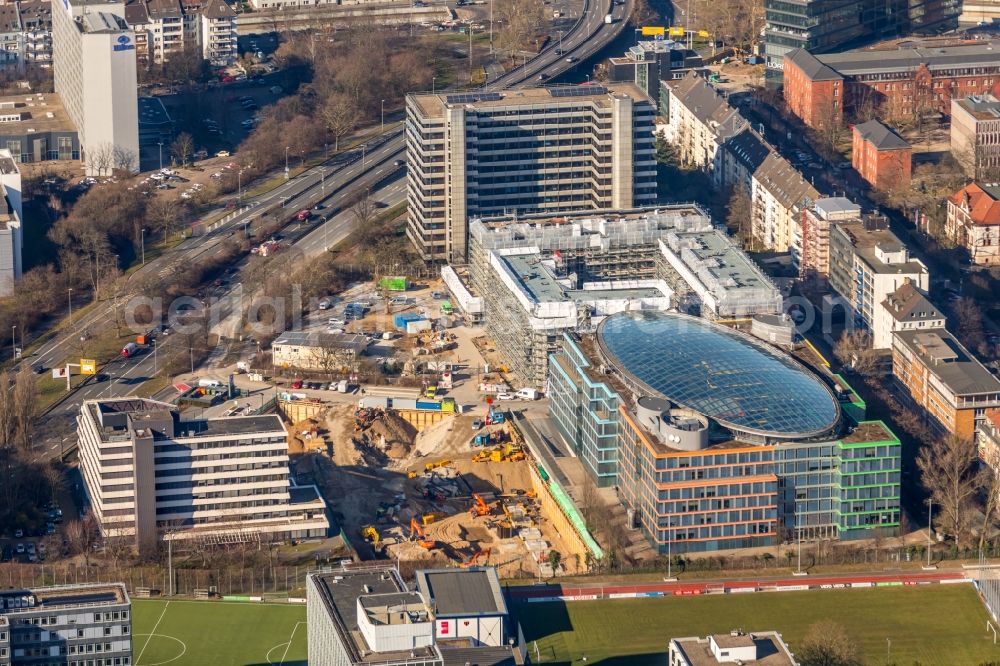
{"type": "Point", "coordinates": [939, 624]}
{"type": "Point", "coordinates": [193, 633]}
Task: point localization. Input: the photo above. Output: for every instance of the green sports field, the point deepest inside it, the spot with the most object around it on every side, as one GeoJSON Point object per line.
{"type": "Point", "coordinates": [934, 624]}
{"type": "Point", "coordinates": [193, 633]}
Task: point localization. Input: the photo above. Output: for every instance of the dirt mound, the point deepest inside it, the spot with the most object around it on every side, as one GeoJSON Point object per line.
{"type": "Point", "coordinates": [390, 432]}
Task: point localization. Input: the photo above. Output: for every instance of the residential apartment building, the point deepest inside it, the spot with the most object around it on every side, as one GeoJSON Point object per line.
{"type": "Point", "coordinates": [11, 36]}
{"type": "Point", "coordinates": [952, 389]}
{"type": "Point", "coordinates": [650, 62]}
{"type": "Point", "coordinates": [867, 263]}
{"type": "Point", "coordinates": [151, 475]}
{"type": "Point", "coordinates": [973, 222]}
{"type": "Point", "coordinates": [168, 27]}
{"type": "Point", "coordinates": [881, 157]}
{"type": "Point", "coordinates": [370, 616]}
{"type": "Point", "coordinates": [975, 135]}
{"type": "Point", "coordinates": [80, 624]}
{"type": "Point", "coordinates": [988, 438]}
{"type": "Point", "coordinates": [522, 151]}
{"type": "Point", "coordinates": [821, 27]}
{"type": "Point", "coordinates": [894, 84]}
{"type": "Point", "coordinates": [811, 239]}
{"type": "Point", "coordinates": [908, 309]}
{"type": "Point", "coordinates": [36, 24]}
{"type": "Point", "coordinates": [94, 66]}
{"type": "Point", "coordinates": [700, 121]}
{"type": "Point", "coordinates": [779, 195]}
{"type": "Point", "coordinates": [11, 220]}
{"type": "Point", "coordinates": [716, 440]}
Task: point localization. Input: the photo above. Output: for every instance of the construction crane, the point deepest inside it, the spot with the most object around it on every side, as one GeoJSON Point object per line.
{"type": "Point", "coordinates": [417, 532]}
{"type": "Point", "coordinates": [480, 508]}
{"type": "Point", "coordinates": [483, 555]}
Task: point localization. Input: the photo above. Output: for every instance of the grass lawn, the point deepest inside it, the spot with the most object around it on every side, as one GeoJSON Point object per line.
{"type": "Point", "coordinates": [939, 624]}
{"type": "Point", "coordinates": [192, 633]}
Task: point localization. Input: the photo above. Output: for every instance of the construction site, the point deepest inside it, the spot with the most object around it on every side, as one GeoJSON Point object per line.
{"type": "Point", "coordinates": [436, 491]}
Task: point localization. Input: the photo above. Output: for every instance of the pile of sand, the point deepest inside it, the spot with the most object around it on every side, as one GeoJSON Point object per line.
{"type": "Point", "coordinates": [392, 434]}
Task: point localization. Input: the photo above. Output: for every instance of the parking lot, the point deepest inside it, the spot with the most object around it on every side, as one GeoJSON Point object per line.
{"type": "Point", "coordinates": [32, 544]}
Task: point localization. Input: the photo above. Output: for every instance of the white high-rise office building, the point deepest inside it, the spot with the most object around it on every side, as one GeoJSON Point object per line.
{"type": "Point", "coordinates": [11, 217]}
{"type": "Point", "coordinates": [95, 74]}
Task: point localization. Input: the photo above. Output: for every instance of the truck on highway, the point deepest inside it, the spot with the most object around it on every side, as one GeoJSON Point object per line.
{"type": "Point", "coordinates": [129, 350]}
{"type": "Point", "coordinates": [609, 19]}
{"type": "Point", "coordinates": [303, 215]}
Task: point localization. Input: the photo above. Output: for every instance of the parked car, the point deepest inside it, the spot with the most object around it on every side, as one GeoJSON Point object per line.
{"type": "Point", "coordinates": [222, 153]}
{"type": "Point", "coordinates": [477, 424]}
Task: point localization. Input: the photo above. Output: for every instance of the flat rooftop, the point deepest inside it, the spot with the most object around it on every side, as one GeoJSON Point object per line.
{"type": "Point", "coordinates": [544, 287]}
{"type": "Point", "coordinates": [462, 591]}
{"type": "Point", "coordinates": [868, 241]}
{"type": "Point", "coordinates": [39, 112]}
{"type": "Point", "coordinates": [770, 649]}
{"type": "Point", "coordinates": [102, 22]}
{"type": "Point", "coordinates": [869, 431]}
{"type": "Point", "coordinates": [349, 341]}
{"type": "Point", "coordinates": [154, 414]}
{"type": "Point", "coordinates": [48, 598]}
{"type": "Point", "coordinates": [434, 104]}
{"type": "Point", "coordinates": [949, 361]}
{"type": "Point", "coordinates": [981, 107]}
{"type": "Point", "coordinates": [717, 255]}
{"type": "Point", "coordinates": [152, 112]}
{"type": "Point", "coordinates": [340, 591]}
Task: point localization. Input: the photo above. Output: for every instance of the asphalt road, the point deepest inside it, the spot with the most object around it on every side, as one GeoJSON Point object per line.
{"type": "Point", "coordinates": [339, 179]}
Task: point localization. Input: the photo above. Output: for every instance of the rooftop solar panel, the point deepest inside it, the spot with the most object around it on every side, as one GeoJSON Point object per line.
{"type": "Point", "coordinates": [469, 98]}
{"type": "Point", "coordinates": [578, 91]}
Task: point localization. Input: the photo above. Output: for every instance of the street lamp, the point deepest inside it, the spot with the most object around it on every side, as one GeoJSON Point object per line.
{"type": "Point", "coordinates": [143, 237]}
{"type": "Point", "coordinates": [433, 88]}
{"type": "Point", "coordinates": [286, 162]}
{"type": "Point", "coordinates": [69, 299]}
{"type": "Point", "coordinates": [13, 341]}
{"type": "Point", "coordinates": [383, 116]}
{"type": "Point", "coordinates": [160, 144]}
{"type": "Point", "coordinates": [239, 187]}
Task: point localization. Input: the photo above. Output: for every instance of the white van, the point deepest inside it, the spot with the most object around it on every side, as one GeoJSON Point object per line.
{"type": "Point", "coordinates": [528, 394]}
{"type": "Point", "coordinates": [325, 303]}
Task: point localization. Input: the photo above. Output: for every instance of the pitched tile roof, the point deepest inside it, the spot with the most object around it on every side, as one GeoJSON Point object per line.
{"type": "Point", "coordinates": [217, 9]}
{"type": "Point", "coordinates": [749, 148]}
{"type": "Point", "coordinates": [711, 108]}
{"type": "Point", "coordinates": [811, 66]}
{"type": "Point", "coordinates": [983, 205]}
{"type": "Point", "coordinates": [908, 303]}
{"type": "Point", "coordinates": [880, 136]}
{"type": "Point", "coordinates": [784, 182]}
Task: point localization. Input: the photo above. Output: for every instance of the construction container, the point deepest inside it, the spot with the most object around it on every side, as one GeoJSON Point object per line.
{"type": "Point", "coordinates": [401, 320]}
{"type": "Point", "coordinates": [417, 326]}
{"type": "Point", "coordinates": [397, 283]}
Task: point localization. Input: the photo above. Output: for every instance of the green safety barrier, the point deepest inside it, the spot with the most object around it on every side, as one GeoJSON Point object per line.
{"type": "Point", "coordinates": [564, 502]}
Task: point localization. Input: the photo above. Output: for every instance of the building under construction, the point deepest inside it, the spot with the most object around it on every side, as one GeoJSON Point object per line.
{"type": "Point", "coordinates": [540, 276]}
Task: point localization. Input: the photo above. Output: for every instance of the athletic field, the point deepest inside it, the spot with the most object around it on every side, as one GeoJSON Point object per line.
{"type": "Point", "coordinates": [194, 633]}
{"type": "Point", "coordinates": [928, 624]}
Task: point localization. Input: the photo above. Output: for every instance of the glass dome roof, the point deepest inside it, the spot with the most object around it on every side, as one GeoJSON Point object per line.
{"type": "Point", "coordinates": [743, 384]}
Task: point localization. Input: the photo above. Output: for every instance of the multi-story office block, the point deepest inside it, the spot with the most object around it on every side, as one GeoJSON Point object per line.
{"type": "Point", "coordinates": [152, 475]}
{"type": "Point", "coordinates": [716, 440]}
{"type": "Point", "coordinates": [523, 151]}
{"type": "Point", "coordinates": [975, 135]}
{"type": "Point", "coordinates": [11, 219]}
{"type": "Point", "coordinates": [94, 65]}
{"type": "Point", "coordinates": [650, 62]}
{"type": "Point", "coordinates": [821, 26]}
{"type": "Point", "coordinates": [84, 625]}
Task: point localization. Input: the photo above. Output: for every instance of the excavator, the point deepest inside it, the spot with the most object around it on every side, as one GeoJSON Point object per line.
{"type": "Point", "coordinates": [480, 508]}
{"type": "Point", "coordinates": [417, 532]}
{"type": "Point", "coordinates": [483, 555]}
{"type": "Point", "coordinates": [371, 535]}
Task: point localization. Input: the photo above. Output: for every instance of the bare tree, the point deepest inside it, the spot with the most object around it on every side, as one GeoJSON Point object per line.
{"type": "Point", "coordinates": [828, 644]}
{"type": "Point", "coordinates": [123, 159]}
{"type": "Point", "coordinates": [101, 158]}
{"type": "Point", "coordinates": [182, 148]}
{"type": "Point", "coordinates": [364, 209]}
{"type": "Point", "coordinates": [340, 115]}
{"type": "Point", "coordinates": [24, 407]}
{"type": "Point", "coordinates": [82, 535]}
{"type": "Point", "coordinates": [968, 322]}
{"type": "Point", "coordinates": [949, 467]}
{"type": "Point", "coordinates": [520, 21]}
{"type": "Point", "coordinates": [739, 215]}
{"type": "Point", "coordinates": [854, 349]}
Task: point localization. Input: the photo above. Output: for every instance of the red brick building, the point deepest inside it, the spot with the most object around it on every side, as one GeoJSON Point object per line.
{"type": "Point", "coordinates": [881, 156]}
{"type": "Point", "coordinates": [891, 84]}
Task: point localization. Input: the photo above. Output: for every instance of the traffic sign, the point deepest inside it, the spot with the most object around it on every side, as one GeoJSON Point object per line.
{"type": "Point", "coordinates": [88, 366]}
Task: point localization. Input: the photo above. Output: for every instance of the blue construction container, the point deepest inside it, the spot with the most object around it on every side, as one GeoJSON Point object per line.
{"type": "Point", "coordinates": [402, 319]}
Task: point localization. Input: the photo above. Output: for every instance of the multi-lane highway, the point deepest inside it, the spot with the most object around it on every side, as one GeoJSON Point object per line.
{"type": "Point", "coordinates": [368, 167]}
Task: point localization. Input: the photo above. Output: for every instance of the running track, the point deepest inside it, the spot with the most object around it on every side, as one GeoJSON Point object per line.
{"type": "Point", "coordinates": [540, 593]}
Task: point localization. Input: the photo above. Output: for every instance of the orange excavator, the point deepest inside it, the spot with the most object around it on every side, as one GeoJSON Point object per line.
{"type": "Point", "coordinates": [417, 532]}
{"type": "Point", "coordinates": [483, 555]}
{"type": "Point", "coordinates": [480, 508]}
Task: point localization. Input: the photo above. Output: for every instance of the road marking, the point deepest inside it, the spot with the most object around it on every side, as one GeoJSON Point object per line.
{"type": "Point", "coordinates": [146, 644]}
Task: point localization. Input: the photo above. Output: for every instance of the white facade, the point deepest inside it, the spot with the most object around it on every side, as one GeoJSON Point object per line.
{"type": "Point", "coordinates": [95, 74]}
{"type": "Point", "coordinates": [151, 476]}
{"type": "Point", "coordinates": [217, 25]}
{"type": "Point", "coordinates": [778, 195]}
{"type": "Point", "coordinates": [11, 219]}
